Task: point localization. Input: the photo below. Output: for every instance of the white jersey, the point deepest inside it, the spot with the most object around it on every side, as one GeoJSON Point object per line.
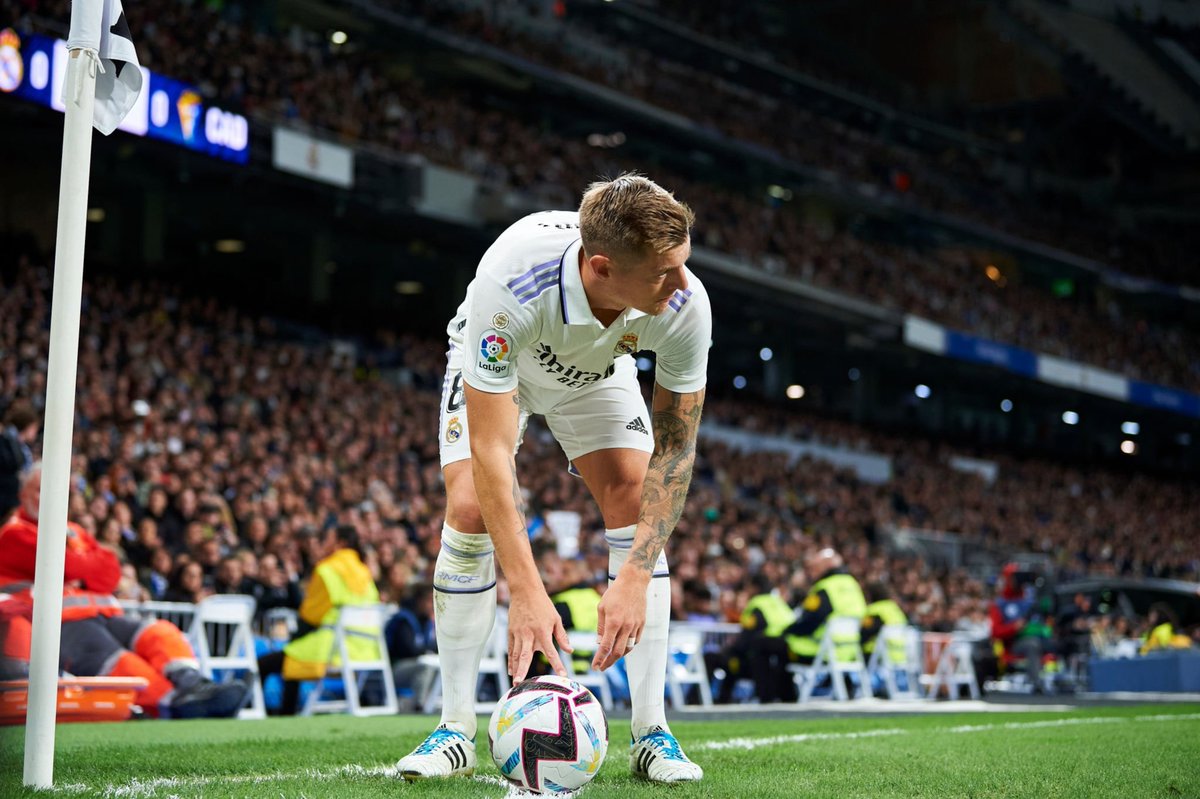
{"type": "Point", "coordinates": [526, 321]}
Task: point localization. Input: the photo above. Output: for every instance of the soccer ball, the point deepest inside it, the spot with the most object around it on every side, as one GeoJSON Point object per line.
{"type": "Point", "coordinates": [548, 734]}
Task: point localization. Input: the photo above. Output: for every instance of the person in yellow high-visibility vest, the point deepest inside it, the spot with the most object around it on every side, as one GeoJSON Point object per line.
{"type": "Point", "coordinates": [578, 604]}
{"type": "Point", "coordinates": [340, 578]}
{"type": "Point", "coordinates": [882, 610]}
{"type": "Point", "coordinates": [1161, 625]}
{"type": "Point", "coordinates": [759, 652]}
{"type": "Point", "coordinates": [833, 592]}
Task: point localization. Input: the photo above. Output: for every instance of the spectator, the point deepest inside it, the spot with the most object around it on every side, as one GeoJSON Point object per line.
{"type": "Point", "coordinates": [20, 431]}
{"type": "Point", "coordinates": [409, 634]}
{"type": "Point", "coordinates": [187, 583]}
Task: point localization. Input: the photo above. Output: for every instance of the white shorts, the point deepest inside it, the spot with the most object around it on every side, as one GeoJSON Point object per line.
{"type": "Point", "coordinates": [610, 414]}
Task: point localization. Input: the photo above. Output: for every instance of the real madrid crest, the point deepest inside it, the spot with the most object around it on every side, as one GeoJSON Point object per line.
{"type": "Point", "coordinates": [12, 65]}
{"type": "Point", "coordinates": [500, 320]}
{"type": "Point", "coordinates": [453, 430]}
{"type": "Point", "coordinates": [627, 345]}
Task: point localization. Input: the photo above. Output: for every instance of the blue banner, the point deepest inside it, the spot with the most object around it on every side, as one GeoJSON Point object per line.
{"type": "Point", "coordinates": [1169, 399]}
{"type": "Point", "coordinates": [979, 350]}
{"type": "Point", "coordinates": [33, 67]}
{"type": "Point", "coordinates": [177, 114]}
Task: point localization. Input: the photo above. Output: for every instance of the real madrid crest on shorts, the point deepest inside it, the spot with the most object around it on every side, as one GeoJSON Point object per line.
{"type": "Point", "coordinates": [453, 430]}
{"type": "Point", "coordinates": [627, 345]}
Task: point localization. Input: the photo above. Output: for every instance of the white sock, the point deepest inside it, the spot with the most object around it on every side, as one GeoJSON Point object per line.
{"type": "Point", "coordinates": [646, 665]}
{"type": "Point", "coordinates": [464, 609]}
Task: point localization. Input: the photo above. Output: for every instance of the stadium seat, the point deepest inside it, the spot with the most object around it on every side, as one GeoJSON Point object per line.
{"type": "Point", "coordinates": [595, 681]}
{"type": "Point", "coordinates": [892, 673]}
{"type": "Point", "coordinates": [224, 643]}
{"type": "Point", "coordinates": [363, 621]}
{"type": "Point", "coordinates": [494, 664]}
{"type": "Point", "coordinates": [685, 666]}
{"type": "Point", "coordinates": [826, 663]}
{"type": "Point", "coordinates": [955, 670]}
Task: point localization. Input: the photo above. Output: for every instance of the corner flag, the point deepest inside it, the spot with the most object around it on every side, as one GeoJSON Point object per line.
{"type": "Point", "coordinates": [103, 80]}
{"type": "Point", "coordinates": [120, 80]}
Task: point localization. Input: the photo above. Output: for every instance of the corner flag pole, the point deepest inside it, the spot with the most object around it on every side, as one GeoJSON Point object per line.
{"type": "Point", "coordinates": [79, 95]}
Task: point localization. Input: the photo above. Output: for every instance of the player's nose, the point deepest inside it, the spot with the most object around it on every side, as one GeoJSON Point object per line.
{"type": "Point", "coordinates": [680, 280]}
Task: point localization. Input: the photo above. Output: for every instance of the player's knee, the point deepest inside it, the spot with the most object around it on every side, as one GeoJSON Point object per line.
{"type": "Point", "coordinates": [621, 502]}
{"type": "Point", "coordinates": [463, 514]}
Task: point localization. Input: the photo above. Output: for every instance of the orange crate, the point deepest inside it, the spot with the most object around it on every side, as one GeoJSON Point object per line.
{"type": "Point", "coordinates": [79, 699]}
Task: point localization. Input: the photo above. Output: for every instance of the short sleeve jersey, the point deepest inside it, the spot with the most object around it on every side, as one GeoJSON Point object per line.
{"type": "Point", "coordinates": [526, 320]}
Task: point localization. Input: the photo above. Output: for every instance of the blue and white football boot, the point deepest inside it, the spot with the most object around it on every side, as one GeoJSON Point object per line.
{"type": "Point", "coordinates": [657, 757]}
{"type": "Point", "coordinates": [446, 752]}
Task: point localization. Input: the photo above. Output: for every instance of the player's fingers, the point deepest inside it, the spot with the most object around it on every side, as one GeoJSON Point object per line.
{"type": "Point", "coordinates": [604, 645]}
{"type": "Point", "coordinates": [556, 663]}
{"type": "Point", "coordinates": [560, 635]}
{"type": "Point", "coordinates": [616, 648]}
{"type": "Point", "coordinates": [520, 668]}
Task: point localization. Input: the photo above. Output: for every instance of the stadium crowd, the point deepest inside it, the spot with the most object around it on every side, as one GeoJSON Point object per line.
{"type": "Point", "coordinates": [212, 452]}
{"type": "Point", "coordinates": [352, 92]}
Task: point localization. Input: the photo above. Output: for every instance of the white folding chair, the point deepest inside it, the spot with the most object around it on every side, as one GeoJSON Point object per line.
{"type": "Point", "coordinates": [494, 664]}
{"type": "Point", "coordinates": [363, 622]}
{"type": "Point", "coordinates": [955, 670]}
{"type": "Point", "coordinates": [894, 639]}
{"type": "Point", "coordinates": [594, 681]}
{"type": "Point", "coordinates": [223, 641]}
{"type": "Point", "coordinates": [181, 614]}
{"type": "Point", "coordinates": [842, 633]}
{"type": "Point", "coordinates": [685, 665]}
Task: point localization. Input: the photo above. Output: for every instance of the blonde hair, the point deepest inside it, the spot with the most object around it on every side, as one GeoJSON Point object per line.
{"type": "Point", "coordinates": [632, 216]}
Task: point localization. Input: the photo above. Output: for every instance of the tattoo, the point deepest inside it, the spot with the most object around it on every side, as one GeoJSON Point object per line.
{"type": "Point", "coordinates": [669, 473]}
{"type": "Point", "coordinates": [516, 400]}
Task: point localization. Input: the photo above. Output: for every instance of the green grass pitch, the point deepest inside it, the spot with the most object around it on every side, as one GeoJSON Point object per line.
{"type": "Point", "coordinates": [1100, 752]}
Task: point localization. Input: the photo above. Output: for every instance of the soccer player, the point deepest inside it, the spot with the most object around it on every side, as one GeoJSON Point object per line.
{"type": "Point", "coordinates": [559, 304]}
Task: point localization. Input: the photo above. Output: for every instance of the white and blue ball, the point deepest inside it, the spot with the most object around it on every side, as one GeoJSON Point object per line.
{"type": "Point", "coordinates": [548, 735]}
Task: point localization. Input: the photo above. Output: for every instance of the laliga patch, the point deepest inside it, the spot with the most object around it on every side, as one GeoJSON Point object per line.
{"type": "Point", "coordinates": [494, 350]}
{"type": "Point", "coordinates": [500, 320]}
{"type": "Point", "coordinates": [453, 430]}
{"type": "Point", "coordinates": [627, 345]}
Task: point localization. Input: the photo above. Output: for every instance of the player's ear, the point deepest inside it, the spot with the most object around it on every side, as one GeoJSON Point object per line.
{"type": "Point", "coordinates": [602, 266]}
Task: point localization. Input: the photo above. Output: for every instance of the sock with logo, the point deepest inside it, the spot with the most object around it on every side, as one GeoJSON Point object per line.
{"type": "Point", "coordinates": [646, 665]}
{"type": "Point", "coordinates": [464, 605]}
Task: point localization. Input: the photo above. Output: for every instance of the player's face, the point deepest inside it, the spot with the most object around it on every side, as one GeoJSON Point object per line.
{"type": "Point", "coordinates": [649, 285]}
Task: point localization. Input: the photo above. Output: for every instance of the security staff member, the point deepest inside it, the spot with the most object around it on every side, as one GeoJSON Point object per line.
{"type": "Point", "coordinates": [834, 592]}
{"type": "Point", "coordinates": [763, 648]}
{"type": "Point", "coordinates": [340, 578]}
{"type": "Point", "coordinates": [578, 605]}
{"type": "Point", "coordinates": [882, 610]}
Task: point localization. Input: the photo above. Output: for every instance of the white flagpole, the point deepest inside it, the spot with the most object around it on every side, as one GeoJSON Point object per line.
{"type": "Point", "coordinates": [79, 95]}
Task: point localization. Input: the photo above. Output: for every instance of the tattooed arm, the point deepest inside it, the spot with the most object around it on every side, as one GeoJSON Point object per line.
{"type": "Point", "coordinates": [623, 609]}
{"type": "Point", "coordinates": [676, 422]}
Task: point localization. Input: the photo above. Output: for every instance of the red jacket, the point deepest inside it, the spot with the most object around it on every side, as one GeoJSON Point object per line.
{"type": "Point", "coordinates": [90, 576]}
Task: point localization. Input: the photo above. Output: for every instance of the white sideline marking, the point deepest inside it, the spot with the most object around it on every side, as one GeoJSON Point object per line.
{"type": "Point", "coordinates": [139, 788]}
{"type": "Point", "coordinates": [755, 743]}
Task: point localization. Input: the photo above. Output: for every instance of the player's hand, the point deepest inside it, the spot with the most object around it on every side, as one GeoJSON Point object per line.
{"type": "Point", "coordinates": [534, 626]}
{"type": "Point", "coordinates": [622, 618]}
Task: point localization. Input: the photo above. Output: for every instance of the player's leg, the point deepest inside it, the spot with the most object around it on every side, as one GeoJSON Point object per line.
{"type": "Point", "coordinates": [606, 434]}
{"type": "Point", "coordinates": [464, 598]}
